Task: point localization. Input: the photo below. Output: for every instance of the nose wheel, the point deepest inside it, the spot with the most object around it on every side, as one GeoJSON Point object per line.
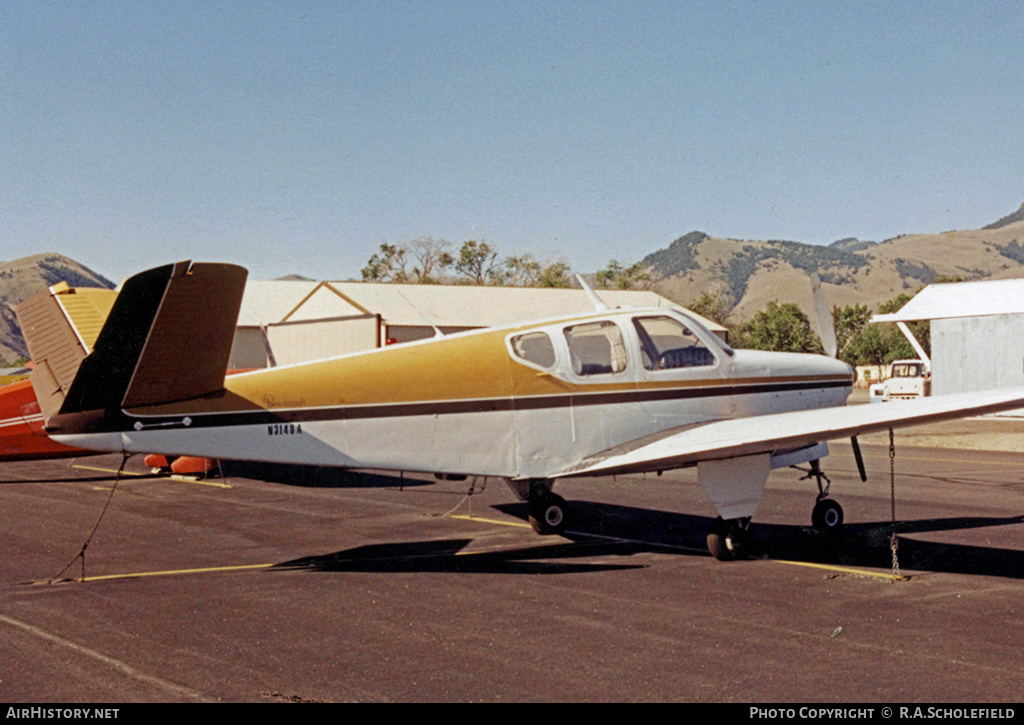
{"type": "Point", "coordinates": [827, 515]}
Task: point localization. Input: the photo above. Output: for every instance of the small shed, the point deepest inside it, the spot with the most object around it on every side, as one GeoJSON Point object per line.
{"type": "Point", "coordinates": [977, 333]}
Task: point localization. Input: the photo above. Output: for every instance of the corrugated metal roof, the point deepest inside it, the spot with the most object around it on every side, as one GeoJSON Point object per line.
{"type": "Point", "coordinates": [480, 306]}
{"type": "Point", "coordinates": [267, 302]}
{"type": "Point", "coordinates": [961, 299]}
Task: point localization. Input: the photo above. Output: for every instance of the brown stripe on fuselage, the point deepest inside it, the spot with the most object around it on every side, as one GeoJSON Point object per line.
{"type": "Point", "coordinates": [468, 406]}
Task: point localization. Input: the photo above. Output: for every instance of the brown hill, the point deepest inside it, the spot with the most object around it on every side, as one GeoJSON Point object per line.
{"type": "Point", "coordinates": [749, 274]}
{"type": "Point", "coordinates": [21, 278]}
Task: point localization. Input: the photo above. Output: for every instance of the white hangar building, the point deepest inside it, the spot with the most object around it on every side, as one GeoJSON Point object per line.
{"type": "Point", "coordinates": [977, 333]}
{"type": "Point", "coordinates": [289, 321]}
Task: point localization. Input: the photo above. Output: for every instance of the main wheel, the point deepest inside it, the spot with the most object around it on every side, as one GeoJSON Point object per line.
{"type": "Point", "coordinates": [716, 540]}
{"type": "Point", "coordinates": [827, 515]}
{"type": "Point", "coordinates": [549, 514]}
{"type": "Point", "coordinates": [728, 540]}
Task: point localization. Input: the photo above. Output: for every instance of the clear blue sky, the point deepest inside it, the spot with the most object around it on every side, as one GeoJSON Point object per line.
{"type": "Point", "coordinates": [298, 136]}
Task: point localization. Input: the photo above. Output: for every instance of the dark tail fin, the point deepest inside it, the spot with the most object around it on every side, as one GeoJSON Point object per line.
{"type": "Point", "coordinates": [168, 337]}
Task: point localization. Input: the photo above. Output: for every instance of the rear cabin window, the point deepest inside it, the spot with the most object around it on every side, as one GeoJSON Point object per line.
{"type": "Point", "coordinates": [596, 348]}
{"type": "Point", "coordinates": [535, 348]}
{"type": "Point", "coordinates": [666, 343]}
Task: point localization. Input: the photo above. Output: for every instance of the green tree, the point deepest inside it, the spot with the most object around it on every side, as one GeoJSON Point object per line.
{"type": "Point", "coordinates": [555, 274]}
{"type": "Point", "coordinates": [521, 271]}
{"type": "Point", "coordinates": [780, 326]}
{"type": "Point", "coordinates": [870, 347]}
{"type": "Point", "coordinates": [477, 261]}
{"type": "Point", "coordinates": [850, 323]}
{"type": "Point", "coordinates": [711, 307]}
{"type": "Point", "coordinates": [900, 348]}
{"type": "Point", "coordinates": [388, 265]}
{"type": "Point", "coordinates": [432, 258]}
{"type": "Point", "coordinates": [418, 262]}
{"type": "Point", "coordinates": [862, 343]}
{"type": "Point", "coordinates": [615, 276]}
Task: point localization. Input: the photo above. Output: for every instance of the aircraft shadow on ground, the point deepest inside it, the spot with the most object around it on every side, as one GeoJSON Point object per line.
{"type": "Point", "coordinates": [446, 555]}
{"type": "Point", "coordinates": [602, 530]}
{"type": "Point", "coordinates": [868, 545]}
{"type": "Point", "coordinates": [317, 476]}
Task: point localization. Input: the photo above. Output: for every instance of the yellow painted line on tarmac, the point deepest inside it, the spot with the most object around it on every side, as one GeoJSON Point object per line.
{"type": "Point", "coordinates": [499, 522]}
{"type": "Point", "coordinates": [198, 481]}
{"type": "Point", "coordinates": [172, 477]}
{"type": "Point", "coordinates": [175, 572]}
{"type": "Point", "coordinates": [843, 570]}
{"type": "Point", "coordinates": [106, 470]}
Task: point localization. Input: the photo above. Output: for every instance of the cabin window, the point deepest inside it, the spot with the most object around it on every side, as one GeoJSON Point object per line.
{"type": "Point", "coordinates": [666, 343]}
{"type": "Point", "coordinates": [535, 348]}
{"type": "Point", "coordinates": [596, 348]}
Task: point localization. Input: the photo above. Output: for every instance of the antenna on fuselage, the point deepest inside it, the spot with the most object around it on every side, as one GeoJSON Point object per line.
{"type": "Point", "coordinates": [599, 304]}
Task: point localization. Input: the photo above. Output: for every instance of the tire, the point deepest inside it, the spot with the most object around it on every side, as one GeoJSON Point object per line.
{"type": "Point", "coordinates": [549, 514]}
{"type": "Point", "coordinates": [827, 515]}
{"type": "Point", "coordinates": [718, 545]}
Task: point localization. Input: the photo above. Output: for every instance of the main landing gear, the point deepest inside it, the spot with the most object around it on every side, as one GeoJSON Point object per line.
{"type": "Point", "coordinates": [728, 540]}
{"type": "Point", "coordinates": [549, 512]}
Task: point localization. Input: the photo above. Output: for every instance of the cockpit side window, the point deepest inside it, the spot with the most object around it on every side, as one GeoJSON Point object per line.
{"type": "Point", "coordinates": [535, 348]}
{"type": "Point", "coordinates": [666, 343]}
{"type": "Point", "coordinates": [596, 348]}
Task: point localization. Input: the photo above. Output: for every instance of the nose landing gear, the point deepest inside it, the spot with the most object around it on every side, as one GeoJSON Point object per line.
{"type": "Point", "coordinates": [827, 514]}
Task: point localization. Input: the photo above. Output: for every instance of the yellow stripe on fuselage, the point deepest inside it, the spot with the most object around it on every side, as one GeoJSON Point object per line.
{"type": "Point", "coordinates": [469, 366]}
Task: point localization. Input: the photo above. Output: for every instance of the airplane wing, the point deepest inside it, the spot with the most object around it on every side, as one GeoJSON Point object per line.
{"type": "Point", "coordinates": [737, 437]}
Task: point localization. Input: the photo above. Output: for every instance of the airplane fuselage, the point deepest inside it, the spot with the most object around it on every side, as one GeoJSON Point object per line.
{"type": "Point", "coordinates": [521, 402]}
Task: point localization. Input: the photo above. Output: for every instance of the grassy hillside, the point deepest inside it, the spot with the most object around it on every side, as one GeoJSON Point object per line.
{"type": "Point", "coordinates": [749, 274]}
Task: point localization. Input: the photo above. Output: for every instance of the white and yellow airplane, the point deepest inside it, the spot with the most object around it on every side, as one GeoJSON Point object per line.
{"type": "Point", "coordinates": [611, 391]}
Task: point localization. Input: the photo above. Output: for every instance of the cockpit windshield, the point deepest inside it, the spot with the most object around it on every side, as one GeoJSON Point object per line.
{"type": "Point", "coordinates": [666, 343]}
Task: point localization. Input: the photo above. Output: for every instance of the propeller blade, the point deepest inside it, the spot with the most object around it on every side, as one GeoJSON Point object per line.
{"type": "Point", "coordinates": [826, 325]}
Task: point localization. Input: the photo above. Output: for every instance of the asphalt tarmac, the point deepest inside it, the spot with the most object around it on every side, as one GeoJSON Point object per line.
{"type": "Point", "coordinates": [277, 585]}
